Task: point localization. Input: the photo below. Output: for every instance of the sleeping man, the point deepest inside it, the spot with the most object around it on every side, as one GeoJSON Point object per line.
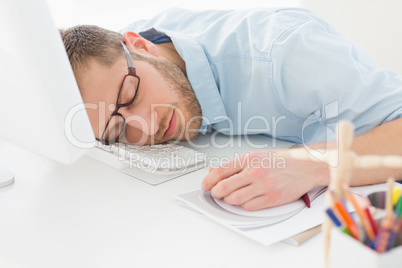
{"type": "Point", "coordinates": [284, 73]}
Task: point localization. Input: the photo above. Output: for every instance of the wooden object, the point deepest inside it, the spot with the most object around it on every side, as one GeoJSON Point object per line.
{"type": "Point", "coordinates": [341, 163]}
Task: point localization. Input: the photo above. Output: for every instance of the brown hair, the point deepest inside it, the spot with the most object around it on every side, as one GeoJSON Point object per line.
{"type": "Point", "coordinates": [86, 42]}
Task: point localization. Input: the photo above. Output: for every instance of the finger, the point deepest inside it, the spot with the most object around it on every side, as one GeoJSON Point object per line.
{"type": "Point", "coordinates": [264, 201]}
{"type": "Point", "coordinates": [257, 203]}
{"type": "Point", "coordinates": [226, 187]}
{"type": "Point", "coordinates": [242, 194]}
{"type": "Point", "coordinates": [226, 170]}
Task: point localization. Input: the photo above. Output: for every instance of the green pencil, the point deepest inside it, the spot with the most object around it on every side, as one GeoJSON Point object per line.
{"type": "Point", "coordinates": [398, 209]}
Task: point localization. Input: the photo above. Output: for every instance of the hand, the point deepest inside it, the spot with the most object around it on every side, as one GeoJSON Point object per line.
{"type": "Point", "coordinates": [263, 179]}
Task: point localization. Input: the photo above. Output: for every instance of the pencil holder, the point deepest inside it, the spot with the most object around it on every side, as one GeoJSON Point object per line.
{"type": "Point", "coordinates": [378, 199]}
{"type": "Point", "coordinates": [349, 252]}
{"type": "Point", "coordinates": [378, 202]}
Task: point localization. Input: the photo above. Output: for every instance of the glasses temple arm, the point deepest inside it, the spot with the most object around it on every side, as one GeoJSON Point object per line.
{"type": "Point", "coordinates": [130, 62]}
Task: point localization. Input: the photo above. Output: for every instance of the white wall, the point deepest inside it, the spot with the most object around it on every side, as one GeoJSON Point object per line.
{"type": "Point", "coordinates": [115, 14]}
{"type": "Point", "coordinates": [375, 25]}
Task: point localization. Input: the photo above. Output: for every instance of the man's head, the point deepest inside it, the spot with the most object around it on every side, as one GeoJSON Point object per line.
{"type": "Point", "coordinates": [164, 107]}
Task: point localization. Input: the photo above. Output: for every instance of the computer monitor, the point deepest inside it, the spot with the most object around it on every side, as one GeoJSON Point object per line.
{"type": "Point", "coordinates": [41, 108]}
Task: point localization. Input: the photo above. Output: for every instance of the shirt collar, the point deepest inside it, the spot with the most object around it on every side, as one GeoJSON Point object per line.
{"type": "Point", "coordinates": [200, 75]}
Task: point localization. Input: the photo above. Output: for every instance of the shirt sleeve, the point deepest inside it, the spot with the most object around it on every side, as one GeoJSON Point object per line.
{"type": "Point", "coordinates": [317, 72]}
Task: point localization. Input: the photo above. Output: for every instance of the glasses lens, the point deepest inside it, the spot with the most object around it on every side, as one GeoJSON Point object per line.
{"type": "Point", "coordinates": [128, 90]}
{"type": "Point", "coordinates": [114, 129]}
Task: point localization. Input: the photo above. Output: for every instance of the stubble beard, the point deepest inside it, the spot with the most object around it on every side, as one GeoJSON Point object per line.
{"type": "Point", "coordinates": [188, 108]}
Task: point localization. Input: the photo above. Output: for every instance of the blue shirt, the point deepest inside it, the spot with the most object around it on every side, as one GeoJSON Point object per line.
{"type": "Point", "coordinates": [284, 73]}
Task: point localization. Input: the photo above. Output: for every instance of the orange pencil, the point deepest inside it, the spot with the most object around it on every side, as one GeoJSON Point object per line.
{"type": "Point", "coordinates": [350, 224]}
{"type": "Point", "coordinates": [362, 215]}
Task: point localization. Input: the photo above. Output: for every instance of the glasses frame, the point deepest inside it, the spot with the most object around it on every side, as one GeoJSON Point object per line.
{"type": "Point", "coordinates": [131, 71]}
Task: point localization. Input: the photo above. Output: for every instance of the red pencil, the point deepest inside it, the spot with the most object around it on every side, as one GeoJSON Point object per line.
{"type": "Point", "coordinates": [369, 216]}
{"type": "Point", "coordinates": [306, 199]}
{"type": "Point", "coordinates": [362, 214]}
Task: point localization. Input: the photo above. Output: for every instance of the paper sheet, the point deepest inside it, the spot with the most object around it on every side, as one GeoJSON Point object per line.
{"type": "Point", "coordinates": [256, 230]}
{"type": "Point", "coordinates": [266, 233]}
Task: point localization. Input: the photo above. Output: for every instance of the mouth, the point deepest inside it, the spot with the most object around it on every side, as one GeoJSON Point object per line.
{"type": "Point", "coordinates": [172, 126]}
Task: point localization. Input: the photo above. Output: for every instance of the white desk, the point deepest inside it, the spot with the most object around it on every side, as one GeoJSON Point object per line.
{"type": "Point", "coordinates": [90, 215]}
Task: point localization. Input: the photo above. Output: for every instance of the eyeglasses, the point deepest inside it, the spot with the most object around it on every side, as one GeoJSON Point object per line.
{"type": "Point", "coordinates": [126, 96]}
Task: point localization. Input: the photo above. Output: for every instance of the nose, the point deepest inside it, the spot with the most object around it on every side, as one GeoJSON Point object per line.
{"type": "Point", "coordinates": [147, 122]}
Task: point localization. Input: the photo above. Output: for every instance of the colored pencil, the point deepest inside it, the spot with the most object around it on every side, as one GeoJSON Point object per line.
{"type": "Point", "coordinates": [385, 233]}
{"type": "Point", "coordinates": [369, 216]}
{"type": "Point", "coordinates": [350, 224]}
{"type": "Point", "coordinates": [336, 221]}
{"type": "Point", "coordinates": [396, 194]}
{"type": "Point", "coordinates": [398, 208]}
{"type": "Point", "coordinates": [360, 212]}
{"type": "Point", "coordinates": [306, 199]}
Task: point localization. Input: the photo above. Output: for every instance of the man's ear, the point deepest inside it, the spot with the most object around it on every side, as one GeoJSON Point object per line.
{"type": "Point", "coordinates": [134, 41]}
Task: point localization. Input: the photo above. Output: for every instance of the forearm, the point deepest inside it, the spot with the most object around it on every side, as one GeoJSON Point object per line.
{"type": "Point", "coordinates": [385, 139]}
{"type": "Point", "coordinates": [257, 188]}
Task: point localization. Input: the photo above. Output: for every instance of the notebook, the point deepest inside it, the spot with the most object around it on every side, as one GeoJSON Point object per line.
{"type": "Point", "coordinates": [261, 226]}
